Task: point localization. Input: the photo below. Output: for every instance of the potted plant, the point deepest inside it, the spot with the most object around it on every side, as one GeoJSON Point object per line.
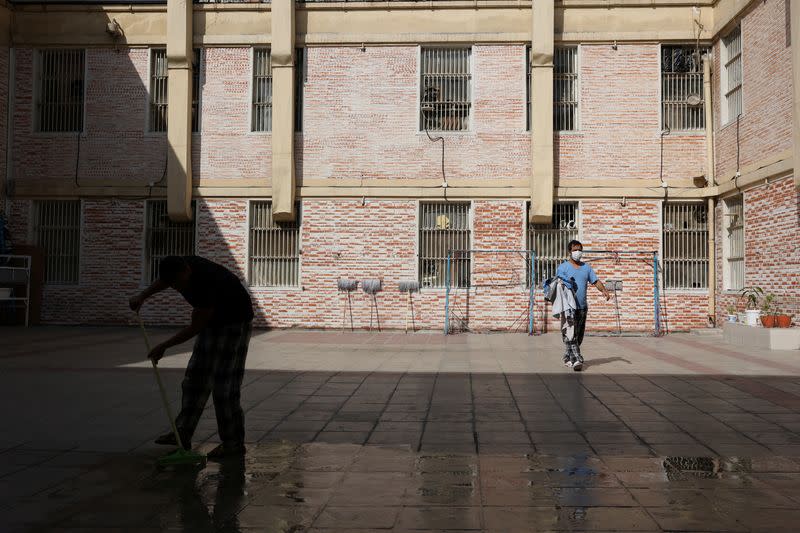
{"type": "Point", "coordinates": [752, 295]}
{"type": "Point", "coordinates": [768, 311]}
{"type": "Point", "coordinates": [782, 320]}
{"type": "Point", "coordinates": [731, 309]}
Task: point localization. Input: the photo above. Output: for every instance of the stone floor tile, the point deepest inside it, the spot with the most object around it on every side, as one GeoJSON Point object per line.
{"type": "Point", "coordinates": [357, 517]}
{"type": "Point", "coordinates": [460, 518]}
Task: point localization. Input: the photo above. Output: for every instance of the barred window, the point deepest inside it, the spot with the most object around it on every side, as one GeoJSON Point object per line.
{"type": "Point", "coordinates": [565, 88]}
{"type": "Point", "coordinates": [682, 97]}
{"type": "Point", "coordinates": [732, 75]}
{"type": "Point", "coordinates": [164, 237]}
{"type": "Point", "coordinates": [549, 241]}
{"type": "Point", "coordinates": [60, 88]}
{"type": "Point", "coordinates": [444, 228]}
{"type": "Point", "coordinates": [158, 89]}
{"type": "Point", "coordinates": [262, 90]}
{"type": "Point", "coordinates": [734, 243]}
{"type": "Point", "coordinates": [274, 248]}
{"type": "Point", "coordinates": [445, 89]}
{"type": "Point", "coordinates": [301, 77]}
{"type": "Point", "coordinates": [57, 230]}
{"type": "Point", "coordinates": [685, 241]}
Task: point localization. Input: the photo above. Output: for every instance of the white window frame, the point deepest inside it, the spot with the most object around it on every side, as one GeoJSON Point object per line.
{"type": "Point", "coordinates": [704, 51]}
{"type": "Point", "coordinates": [726, 243]}
{"type": "Point", "coordinates": [529, 93]}
{"type": "Point", "coordinates": [662, 247]}
{"type": "Point", "coordinates": [725, 91]}
{"type": "Point", "coordinates": [248, 272]}
{"type": "Point", "coordinates": [528, 229]}
{"type": "Point", "coordinates": [418, 243]}
{"type": "Point", "coordinates": [472, 88]}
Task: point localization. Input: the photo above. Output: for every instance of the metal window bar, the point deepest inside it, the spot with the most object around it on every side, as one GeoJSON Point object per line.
{"type": "Point", "coordinates": [300, 73]}
{"type": "Point", "coordinates": [682, 96]}
{"type": "Point", "coordinates": [733, 73]}
{"type": "Point", "coordinates": [57, 231]}
{"type": "Point", "coordinates": [158, 89]}
{"type": "Point", "coordinates": [196, 71]}
{"type": "Point", "coordinates": [59, 106]}
{"type": "Point", "coordinates": [445, 87]}
{"type": "Point", "coordinates": [444, 227]}
{"type": "Point", "coordinates": [685, 241]}
{"type": "Point", "coordinates": [164, 237]}
{"type": "Point", "coordinates": [565, 88]}
{"type": "Point", "coordinates": [262, 90]}
{"type": "Point", "coordinates": [274, 249]}
{"type": "Point", "coordinates": [735, 235]}
{"type": "Point", "coordinates": [550, 240]}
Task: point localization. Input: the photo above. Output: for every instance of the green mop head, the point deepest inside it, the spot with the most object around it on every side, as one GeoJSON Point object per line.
{"type": "Point", "coordinates": [182, 457]}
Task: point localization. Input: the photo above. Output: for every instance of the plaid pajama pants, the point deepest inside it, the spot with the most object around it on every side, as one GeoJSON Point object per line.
{"type": "Point", "coordinates": [572, 350]}
{"type": "Point", "coordinates": [216, 367]}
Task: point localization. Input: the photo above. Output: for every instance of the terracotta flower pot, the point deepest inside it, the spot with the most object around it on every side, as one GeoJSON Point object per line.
{"type": "Point", "coordinates": [768, 321]}
{"type": "Point", "coordinates": [783, 321]}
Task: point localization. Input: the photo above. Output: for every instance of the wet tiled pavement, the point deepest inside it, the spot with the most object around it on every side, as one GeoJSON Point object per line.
{"type": "Point", "coordinates": [385, 432]}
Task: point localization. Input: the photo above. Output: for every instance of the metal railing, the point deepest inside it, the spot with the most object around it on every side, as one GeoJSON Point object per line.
{"type": "Point", "coordinates": [734, 225]}
{"type": "Point", "coordinates": [444, 227]}
{"type": "Point", "coordinates": [550, 240]}
{"type": "Point", "coordinates": [164, 237]}
{"type": "Point", "coordinates": [685, 246]}
{"type": "Point", "coordinates": [446, 92]}
{"type": "Point", "coordinates": [59, 98]}
{"type": "Point", "coordinates": [274, 249]}
{"type": "Point", "coordinates": [262, 90]}
{"type": "Point", "coordinates": [57, 230]}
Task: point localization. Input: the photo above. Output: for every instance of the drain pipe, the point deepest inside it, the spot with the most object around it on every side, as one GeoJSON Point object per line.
{"type": "Point", "coordinates": [710, 182]}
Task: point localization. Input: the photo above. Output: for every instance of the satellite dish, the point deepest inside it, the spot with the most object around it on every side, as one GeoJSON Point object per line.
{"type": "Point", "coordinates": [694, 100]}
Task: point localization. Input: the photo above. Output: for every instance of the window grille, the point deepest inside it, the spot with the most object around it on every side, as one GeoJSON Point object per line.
{"type": "Point", "coordinates": [444, 227]}
{"type": "Point", "coordinates": [682, 100]}
{"type": "Point", "coordinates": [732, 55]}
{"type": "Point", "coordinates": [446, 92]}
{"type": "Point", "coordinates": [685, 241]}
{"type": "Point", "coordinates": [59, 103]}
{"type": "Point", "coordinates": [262, 90]}
{"type": "Point", "coordinates": [164, 237]}
{"type": "Point", "coordinates": [300, 73]}
{"type": "Point", "coordinates": [274, 249]}
{"type": "Point", "coordinates": [565, 88]}
{"type": "Point", "coordinates": [549, 241]}
{"type": "Point", "coordinates": [158, 89]}
{"type": "Point", "coordinates": [57, 230]}
{"type": "Point", "coordinates": [734, 225]}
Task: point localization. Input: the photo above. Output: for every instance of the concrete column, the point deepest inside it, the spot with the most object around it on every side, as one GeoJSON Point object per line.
{"type": "Point", "coordinates": [283, 80]}
{"type": "Point", "coordinates": [794, 10]}
{"type": "Point", "coordinates": [542, 111]}
{"type": "Point", "coordinates": [179, 110]}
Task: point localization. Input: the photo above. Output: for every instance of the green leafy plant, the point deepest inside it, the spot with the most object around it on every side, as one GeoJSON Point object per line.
{"type": "Point", "coordinates": [751, 295]}
{"type": "Point", "coordinates": [767, 305]}
{"type": "Point", "coordinates": [731, 309]}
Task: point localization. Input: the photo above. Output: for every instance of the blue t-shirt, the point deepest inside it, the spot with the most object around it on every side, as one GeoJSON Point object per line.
{"type": "Point", "coordinates": [582, 275]}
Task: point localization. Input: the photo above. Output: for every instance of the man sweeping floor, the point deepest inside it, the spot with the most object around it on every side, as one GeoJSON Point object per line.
{"type": "Point", "coordinates": [222, 320]}
{"type": "Point", "coordinates": [579, 275]}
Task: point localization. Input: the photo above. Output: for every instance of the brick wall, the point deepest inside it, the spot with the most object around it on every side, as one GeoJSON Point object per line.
{"type": "Point", "coordinates": [765, 127]}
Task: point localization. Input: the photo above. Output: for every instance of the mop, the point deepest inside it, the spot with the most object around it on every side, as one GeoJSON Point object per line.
{"type": "Point", "coordinates": [410, 287]}
{"type": "Point", "coordinates": [373, 287]}
{"type": "Point", "coordinates": [347, 286]}
{"type": "Point", "coordinates": [181, 456]}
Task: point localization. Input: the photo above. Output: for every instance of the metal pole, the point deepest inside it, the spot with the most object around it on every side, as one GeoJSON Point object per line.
{"type": "Point", "coordinates": [447, 297]}
{"type": "Point", "coordinates": [532, 293]}
{"type": "Point", "coordinates": [656, 302]}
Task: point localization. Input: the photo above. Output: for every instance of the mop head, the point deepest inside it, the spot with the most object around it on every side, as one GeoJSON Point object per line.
{"type": "Point", "coordinates": [372, 286]}
{"type": "Point", "coordinates": [347, 285]}
{"type": "Point", "coordinates": [181, 457]}
{"type": "Point", "coordinates": [408, 286]}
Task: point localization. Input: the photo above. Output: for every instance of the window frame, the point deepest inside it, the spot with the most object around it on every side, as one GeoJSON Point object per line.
{"type": "Point", "coordinates": [705, 51]}
{"type": "Point", "coordinates": [528, 234]}
{"type": "Point", "coordinates": [418, 241]}
{"type": "Point", "coordinates": [146, 253]}
{"type": "Point", "coordinates": [253, 51]}
{"type": "Point", "coordinates": [529, 93]}
{"type": "Point", "coordinates": [37, 91]}
{"type": "Point", "coordinates": [33, 236]}
{"type": "Point", "coordinates": [663, 247]}
{"type": "Point", "coordinates": [196, 103]}
{"type": "Point", "coordinates": [725, 90]}
{"type": "Point", "coordinates": [470, 117]}
{"type": "Point", "coordinates": [726, 243]}
{"type": "Point", "coordinates": [248, 239]}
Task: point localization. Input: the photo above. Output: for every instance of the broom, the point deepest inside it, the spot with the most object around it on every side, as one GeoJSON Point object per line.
{"type": "Point", "coordinates": [181, 456]}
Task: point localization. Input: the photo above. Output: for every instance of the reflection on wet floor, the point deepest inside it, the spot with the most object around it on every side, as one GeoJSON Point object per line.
{"type": "Point", "coordinates": [284, 487]}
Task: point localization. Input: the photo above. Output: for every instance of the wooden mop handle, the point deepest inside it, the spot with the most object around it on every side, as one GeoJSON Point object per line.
{"type": "Point", "coordinates": [161, 389]}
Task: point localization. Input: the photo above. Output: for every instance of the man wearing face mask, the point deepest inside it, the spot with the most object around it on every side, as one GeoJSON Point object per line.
{"type": "Point", "coordinates": [579, 275]}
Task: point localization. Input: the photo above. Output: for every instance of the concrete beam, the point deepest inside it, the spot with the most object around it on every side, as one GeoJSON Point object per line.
{"type": "Point", "coordinates": [283, 80]}
{"type": "Point", "coordinates": [541, 91]}
{"type": "Point", "coordinates": [179, 110]}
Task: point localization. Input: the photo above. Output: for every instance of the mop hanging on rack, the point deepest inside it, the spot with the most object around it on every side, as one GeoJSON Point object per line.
{"type": "Point", "coordinates": [410, 287]}
{"type": "Point", "coordinates": [373, 287]}
{"type": "Point", "coordinates": [347, 286]}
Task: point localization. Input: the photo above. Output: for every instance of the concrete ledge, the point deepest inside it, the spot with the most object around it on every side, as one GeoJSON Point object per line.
{"type": "Point", "coordinates": [763, 338]}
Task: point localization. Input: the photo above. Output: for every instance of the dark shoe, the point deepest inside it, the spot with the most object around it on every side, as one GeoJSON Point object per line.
{"type": "Point", "coordinates": [224, 451]}
{"type": "Point", "coordinates": [577, 366]}
{"type": "Point", "coordinates": [168, 439]}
